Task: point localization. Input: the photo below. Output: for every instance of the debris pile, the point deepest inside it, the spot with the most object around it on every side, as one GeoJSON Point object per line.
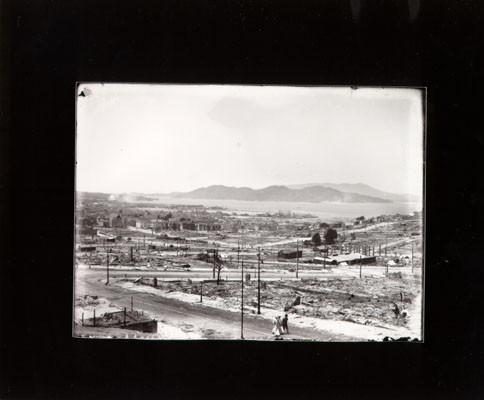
{"type": "Point", "coordinates": [125, 319]}
{"type": "Point", "coordinates": [369, 301]}
{"type": "Point", "coordinates": [87, 300]}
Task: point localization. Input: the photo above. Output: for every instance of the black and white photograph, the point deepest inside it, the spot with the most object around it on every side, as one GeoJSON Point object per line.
{"type": "Point", "coordinates": [249, 212]}
{"type": "Point", "coordinates": [250, 199]}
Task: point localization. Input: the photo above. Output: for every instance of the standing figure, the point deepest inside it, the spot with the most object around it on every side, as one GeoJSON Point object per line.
{"type": "Point", "coordinates": [274, 327]}
{"type": "Point", "coordinates": [284, 324]}
{"type": "Point", "coordinates": [279, 325]}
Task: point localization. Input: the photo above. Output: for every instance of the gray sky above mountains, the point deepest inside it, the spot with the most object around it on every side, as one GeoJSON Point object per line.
{"type": "Point", "coordinates": [164, 138]}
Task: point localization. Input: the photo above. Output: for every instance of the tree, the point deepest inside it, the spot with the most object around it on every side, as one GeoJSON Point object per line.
{"type": "Point", "coordinates": [219, 269]}
{"type": "Point", "coordinates": [217, 265]}
{"type": "Point", "coordinates": [330, 236]}
{"type": "Point", "coordinates": [316, 239]}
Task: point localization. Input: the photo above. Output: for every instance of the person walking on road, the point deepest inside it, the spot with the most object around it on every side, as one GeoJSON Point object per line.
{"type": "Point", "coordinates": [284, 324]}
{"type": "Point", "coordinates": [277, 326]}
{"type": "Point", "coordinates": [274, 327]}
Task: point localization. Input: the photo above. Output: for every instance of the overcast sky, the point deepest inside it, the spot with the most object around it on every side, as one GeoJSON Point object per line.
{"type": "Point", "coordinates": [164, 138]}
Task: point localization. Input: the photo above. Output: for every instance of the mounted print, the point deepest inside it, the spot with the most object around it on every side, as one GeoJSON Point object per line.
{"type": "Point", "coordinates": [249, 212]}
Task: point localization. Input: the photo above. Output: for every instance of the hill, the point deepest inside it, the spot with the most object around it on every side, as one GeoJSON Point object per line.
{"type": "Point", "coordinates": [312, 194]}
{"type": "Point", "coordinates": [360, 188]}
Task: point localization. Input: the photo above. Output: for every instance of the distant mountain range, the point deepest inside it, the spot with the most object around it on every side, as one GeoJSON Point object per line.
{"type": "Point", "coordinates": [360, 188]}
{"type": "Point", "coordinates": [308, 192]}
{"type": "Point", "coordinates": [311, 194]}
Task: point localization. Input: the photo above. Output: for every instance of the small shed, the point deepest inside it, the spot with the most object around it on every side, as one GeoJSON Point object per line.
{"type": "Point", "coordinates": [290, 254]}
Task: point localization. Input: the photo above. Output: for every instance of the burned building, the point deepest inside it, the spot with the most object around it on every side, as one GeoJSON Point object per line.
{"type": "Point", "coordinates": [117, 222]}
{"type": "Point", "coordinates": [88, 221]}
{"type": "Point", "coordinates": [188, 226]}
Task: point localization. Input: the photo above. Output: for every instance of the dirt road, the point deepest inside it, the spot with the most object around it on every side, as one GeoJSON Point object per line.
{"type": "Point", "coordinates": [209, 322]}
{"type": "Point", "coordinates": [339, 272]}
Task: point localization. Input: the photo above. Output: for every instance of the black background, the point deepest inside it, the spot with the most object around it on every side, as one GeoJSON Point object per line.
{"type": "Point", "coordinates": [49, 45]}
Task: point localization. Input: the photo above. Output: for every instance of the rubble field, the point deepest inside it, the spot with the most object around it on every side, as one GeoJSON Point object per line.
{"type": "Point", "coordinates": [87, 304]}
{"type": "Point", "coordinates": [380, 302]}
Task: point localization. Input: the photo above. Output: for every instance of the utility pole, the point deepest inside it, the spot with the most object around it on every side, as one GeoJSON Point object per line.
{"type": "Point", "coordinates": [242, 306]}
{"type": "Point", "coordinates": [258, 284]}
{"type": "Point", "coordinates": [107, 269]}
{"type": "Point", "coordinates": [213, 264]}
{"type": "Point", "coordinates": [297, 259]}
{"type": "Point", "coordinates": [412, 257]}
{"type": "Point", "coordinates": [201, 291]}
{"type": "Point", "coordinates": [238, 254]}
{"type": "Point", "coordinates": [360, 266]}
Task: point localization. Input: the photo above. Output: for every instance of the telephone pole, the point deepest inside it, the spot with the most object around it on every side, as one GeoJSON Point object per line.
{"type": "Point", "coordinates": [297, 259]}
{"type": "Point", "coordinates": [213, 264]}
{"type": "Point", "coordinates": [412, 257]}
{"type": "Point", "coordinates": [242, 306]}
{"type": "Point", "coordinates": [107, 269]}
{"type": "Point", "coordinates": [238, 254]}
{"type": "Point", "coordinates": [360, 266]}
{"type": "Point", "coordinates": [258, 284]}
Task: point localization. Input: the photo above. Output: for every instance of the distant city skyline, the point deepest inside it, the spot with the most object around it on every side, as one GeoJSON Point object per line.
{"type": "Point", "coordinates": [177, 138]}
